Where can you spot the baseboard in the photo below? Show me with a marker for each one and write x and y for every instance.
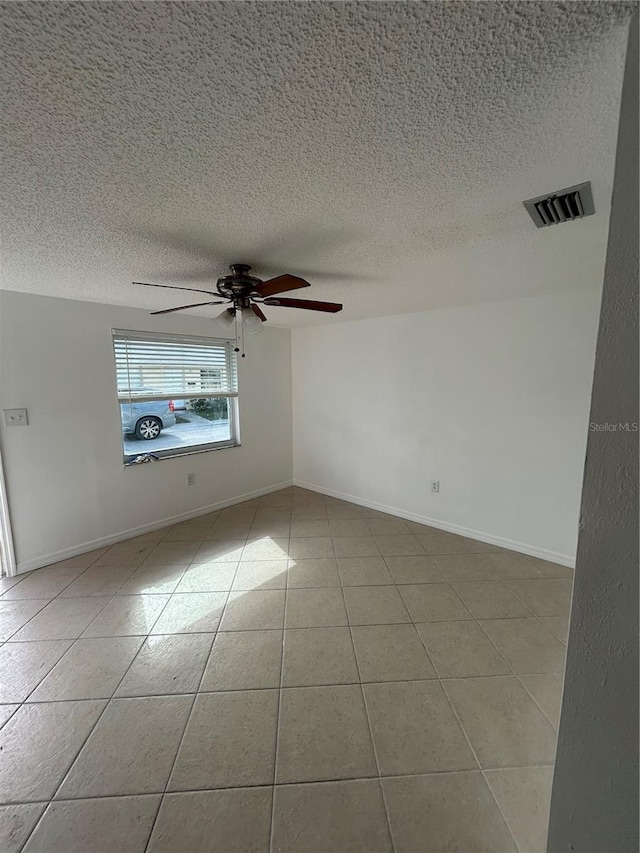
(84, 547)
(512, 545)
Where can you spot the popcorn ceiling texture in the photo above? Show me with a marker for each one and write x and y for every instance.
(382, 149)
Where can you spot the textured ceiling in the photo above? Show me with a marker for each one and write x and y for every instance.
(381, 149)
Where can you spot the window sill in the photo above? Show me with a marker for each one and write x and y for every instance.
(169, 455)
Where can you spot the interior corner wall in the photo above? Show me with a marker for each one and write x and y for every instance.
(68, 490)
(594, 803)
(491, 400)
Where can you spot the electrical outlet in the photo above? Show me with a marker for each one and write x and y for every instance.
(435, 485)
(191, 479)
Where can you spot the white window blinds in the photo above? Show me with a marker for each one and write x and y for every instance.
(163, 367)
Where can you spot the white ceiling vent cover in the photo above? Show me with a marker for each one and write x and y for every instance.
(561, 206)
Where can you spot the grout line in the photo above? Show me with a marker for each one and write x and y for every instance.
(279, 705)
(366, 710)
(189, 715)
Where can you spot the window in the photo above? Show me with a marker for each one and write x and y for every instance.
(176, 394)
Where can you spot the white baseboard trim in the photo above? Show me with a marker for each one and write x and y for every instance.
(103, 541)
(521, 547)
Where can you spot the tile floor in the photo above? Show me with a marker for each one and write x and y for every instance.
(294, 673)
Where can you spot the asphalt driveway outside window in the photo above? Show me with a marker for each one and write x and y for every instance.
(197, 430)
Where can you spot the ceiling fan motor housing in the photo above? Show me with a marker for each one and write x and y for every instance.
(239, 285)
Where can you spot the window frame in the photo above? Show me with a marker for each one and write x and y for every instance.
(232, 397)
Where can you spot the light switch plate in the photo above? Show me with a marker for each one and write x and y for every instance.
(15, 417)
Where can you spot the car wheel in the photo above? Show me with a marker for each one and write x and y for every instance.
(148, 428)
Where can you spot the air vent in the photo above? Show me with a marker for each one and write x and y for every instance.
(561, 206)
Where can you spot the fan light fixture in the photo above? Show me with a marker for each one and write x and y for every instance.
(244, 294)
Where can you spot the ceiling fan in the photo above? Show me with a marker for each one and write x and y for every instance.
(245, 294)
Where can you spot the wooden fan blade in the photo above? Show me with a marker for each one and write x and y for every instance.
(310, 305)
(192, 305)
(259, 312)
(175, 287)
(280, 284)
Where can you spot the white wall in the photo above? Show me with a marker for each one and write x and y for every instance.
(492, 400)
(66, 483)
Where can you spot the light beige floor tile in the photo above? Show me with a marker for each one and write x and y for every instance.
(390, 653)
(127, 615)
(387, 527)
(547, 691)
(244, 660)
(399, 545)
(62, 619)
(314, 656)
(167, 663)
(347, 512)
(433, 602)
(319, 527)
(273, 513)
(173, 552)
(461, 649)
(42, 583)
(508, 565)
(527, 644)
(191, 613)
(229, 530)
(114, 824)
(348, 817)
(313, 512)
(207, 577)
(311, 548)
(364, 571)
(524, 796)
(320, 572)
(374, 605)
(39, 743)
(236, 820)
(7, 583)
(505, 726)
(490, 600)
(6, 712)
(105, 580)
(254, 610)
(125, 557)
(153, 580)
(15, 614)
(414, 728)
(188, 531)
(414, 569)
(92, 669)
(447, 811)
(81, 561)
(16, 823)
(24, 665)
(266, 548)
(270, 529)
(451, 543)
(261, 574)
(220, 551)
(547, 597)
(283, 497)
(315, 608)
(349, 527)
(131, 750)
(323, 734)
(230, 741)
(356, 546)
(552, 570)
(558, 625)
(465, 567)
